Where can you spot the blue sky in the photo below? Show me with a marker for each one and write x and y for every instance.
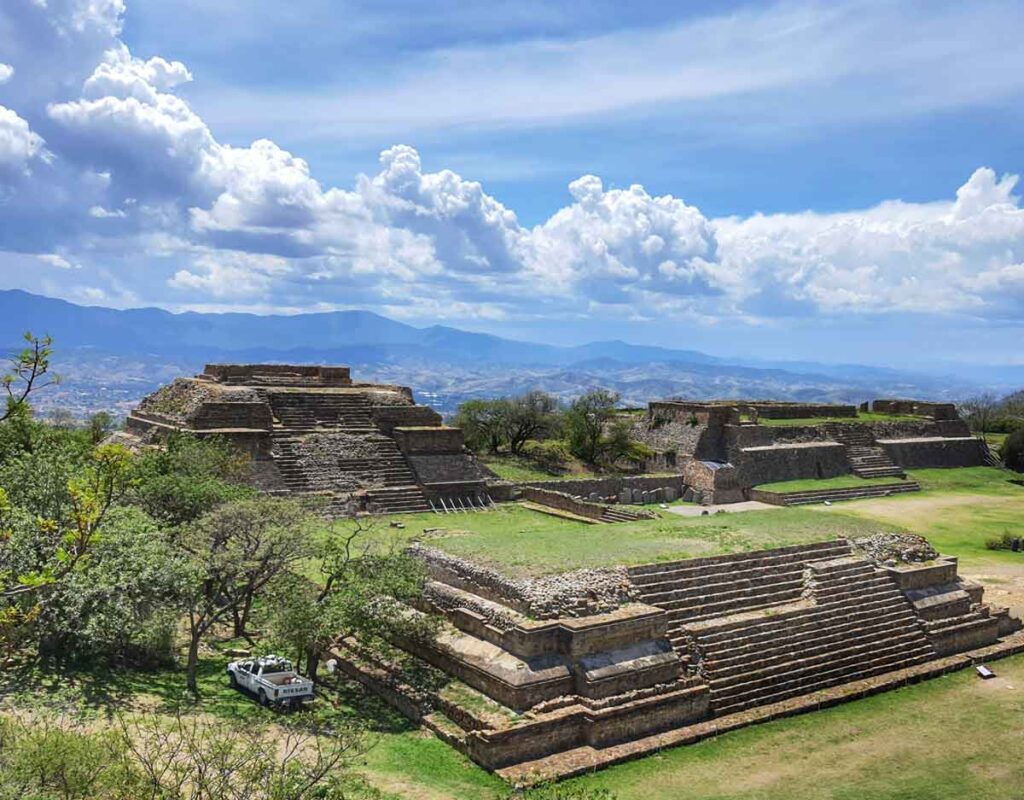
(780, 179)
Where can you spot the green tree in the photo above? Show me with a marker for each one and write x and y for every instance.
(364, 585)
(533, 415)
(618, 445)
(125, 604)
(235, 552)
(29, 372)
(189, 477)
(484, 423)
(585, 423)
(100, 425)
(41, 552)
(1012, 450)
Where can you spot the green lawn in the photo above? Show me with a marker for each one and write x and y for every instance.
(812, 484)
(520, 542)
(995, 440)
(957, 510)
(863, 416)
(517, 470)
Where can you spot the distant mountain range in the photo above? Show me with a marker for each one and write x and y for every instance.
(109, 358)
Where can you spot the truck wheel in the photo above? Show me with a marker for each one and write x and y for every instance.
(264, 701)
(232, 680)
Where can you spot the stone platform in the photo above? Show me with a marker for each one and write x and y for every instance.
(313, 431)
(587, 669)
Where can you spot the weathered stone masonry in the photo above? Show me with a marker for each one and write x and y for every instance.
(664, 646)
(312, 430)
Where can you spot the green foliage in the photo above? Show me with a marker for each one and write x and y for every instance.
(597, 435)
(533, 415)
(29, 372)
(551, 456)
(188, 478)
(585, 423)
(484, 423)
(364, 582)
(100, 425)
(1012, 450)
(491, 425)
(51, 758)
(235, 552)
(126, 606)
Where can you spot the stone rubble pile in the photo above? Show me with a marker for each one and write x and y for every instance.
(895, 548)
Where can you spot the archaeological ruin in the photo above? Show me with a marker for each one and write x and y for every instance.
(312, 430)
(567, 673)
(561, 674)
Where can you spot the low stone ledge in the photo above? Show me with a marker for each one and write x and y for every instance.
(586, 759)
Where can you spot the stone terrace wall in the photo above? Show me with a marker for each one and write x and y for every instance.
(428, 440)
(389, 417)
(923, 453)
(220, 414)
(791, 462)
(272, 374)
(914, 407)
(611, 486)
(770, 410)
(563, 501)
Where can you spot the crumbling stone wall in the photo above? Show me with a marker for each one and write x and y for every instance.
(913, 407)
(612, 486)
(572, 594)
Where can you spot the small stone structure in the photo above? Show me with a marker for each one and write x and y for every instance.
(721, 449)
(575, 670)
(312, 430)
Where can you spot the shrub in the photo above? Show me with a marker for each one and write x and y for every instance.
(551, 456)
(1012, 450)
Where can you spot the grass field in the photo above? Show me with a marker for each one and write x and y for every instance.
(812, 484)
(520, 542)
(863, 416)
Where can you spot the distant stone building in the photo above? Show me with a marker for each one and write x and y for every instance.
(724, 449)
(312, 430)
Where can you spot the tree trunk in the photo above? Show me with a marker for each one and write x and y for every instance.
(312, 662)
(193, 660)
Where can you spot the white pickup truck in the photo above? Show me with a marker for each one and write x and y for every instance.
(272, 679)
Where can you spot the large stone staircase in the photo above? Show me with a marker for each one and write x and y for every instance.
(867, 459)
(390, 483)
(305, 412)
(777, 624)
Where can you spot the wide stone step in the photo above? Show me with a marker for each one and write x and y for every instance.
(797, 674)
(741, 647)
(695, 594)
(845, 675)
(810, 643)
(768, 625)
(695, 613)
(700, 568)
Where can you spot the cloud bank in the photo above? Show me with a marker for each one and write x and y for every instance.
(105, 166)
